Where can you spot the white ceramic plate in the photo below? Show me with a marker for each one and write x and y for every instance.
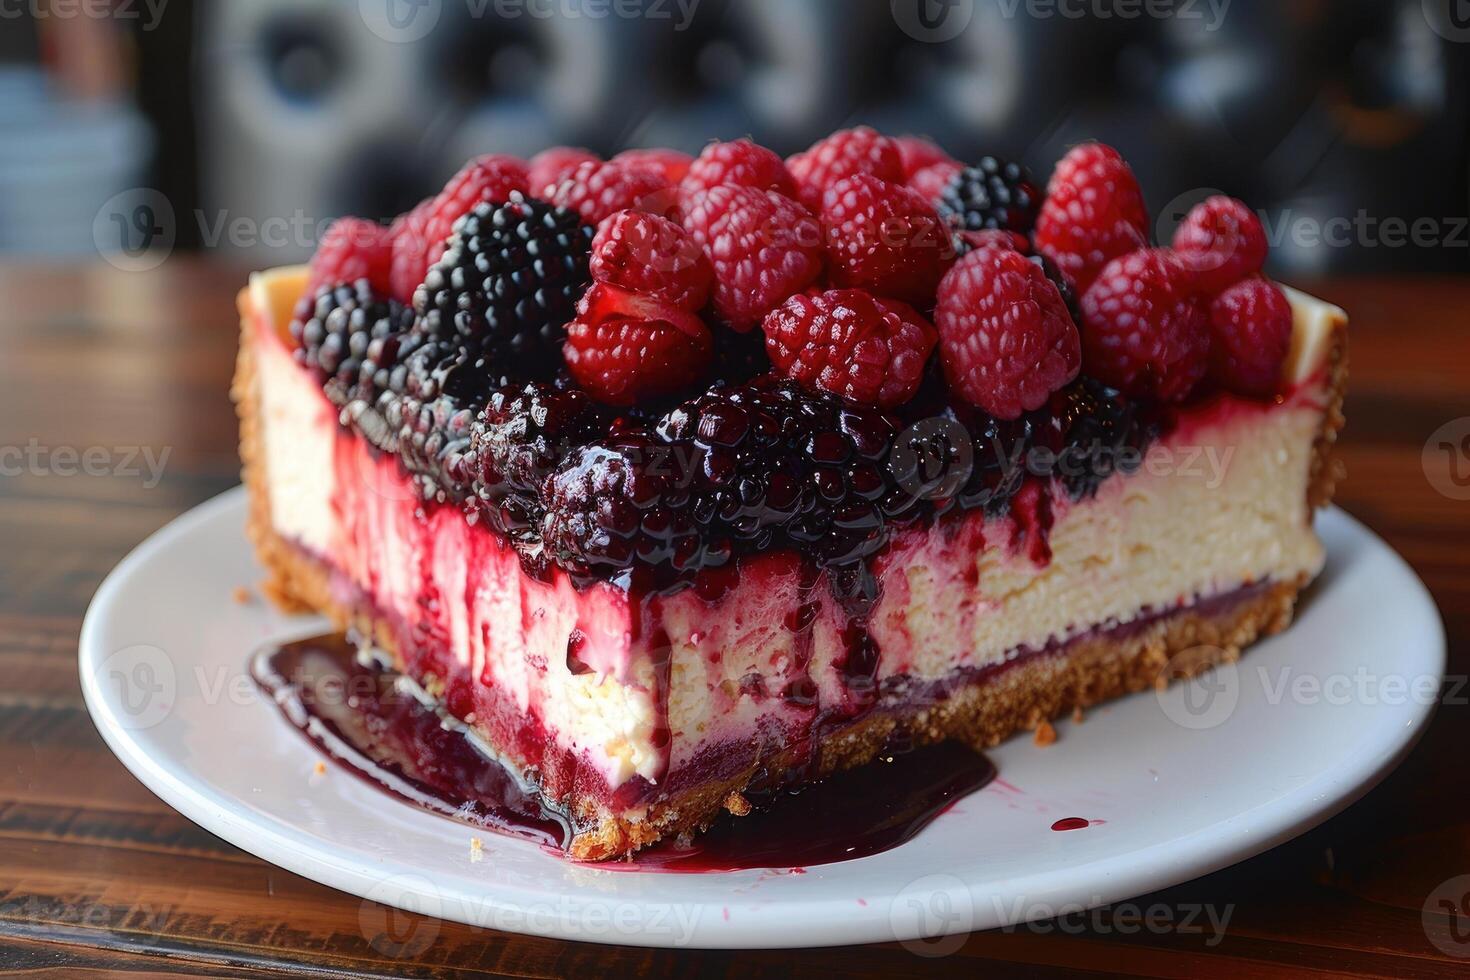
(1178, 784)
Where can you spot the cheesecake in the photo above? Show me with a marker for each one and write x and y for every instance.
(672, 479)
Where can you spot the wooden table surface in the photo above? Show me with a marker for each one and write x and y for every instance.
(97, 874)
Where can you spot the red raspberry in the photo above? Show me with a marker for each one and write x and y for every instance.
(648, 254)
(1142, 329)
(1005, 338)
(886, 239)
(764, 248)
(740, 162)
(848, 342)
(671, 165)
(353, 249)
(844, 153)
(549, 167)
(1093, 212)
(1250, 334)
(623, 348)
(597, 190)
(968, 241)
(931, 181)
(916, 152)
(410, 252)
(1220, 242)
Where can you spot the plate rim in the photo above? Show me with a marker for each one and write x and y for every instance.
(1127, 874)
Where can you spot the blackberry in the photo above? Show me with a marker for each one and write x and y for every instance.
(337, 328)
(509, 282)
(739, 469)
(432, 441)
(1092, 431)
(994, 193)
(521, 436)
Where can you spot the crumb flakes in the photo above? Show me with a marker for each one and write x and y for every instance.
(737, 804)
(477, 850)
(1045, 733)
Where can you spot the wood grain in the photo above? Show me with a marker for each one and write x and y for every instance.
(98, 876)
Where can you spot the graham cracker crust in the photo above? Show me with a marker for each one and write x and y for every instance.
(1023, 697)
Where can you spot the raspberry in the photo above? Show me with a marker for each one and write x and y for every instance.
(352, 249)
(884, 238)
(1094, 212)
(1005, 337)
(596, 190)
(1142, 330)
(916, 153)
(967, 241)
(844, 153)
(994, 193)
(644, 253)
(509, 281)
(1250, 334)
(550, 165)
(931, 181)
(764, 248)
(850, 343)
(740, 162)
(1221, 241)
(410, 252)
(671, 165)
(624, 348)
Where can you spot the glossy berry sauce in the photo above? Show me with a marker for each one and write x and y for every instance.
(378, 727)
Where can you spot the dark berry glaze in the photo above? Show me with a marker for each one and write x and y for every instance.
(358, 712)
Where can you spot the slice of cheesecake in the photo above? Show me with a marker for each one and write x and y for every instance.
(639, 705)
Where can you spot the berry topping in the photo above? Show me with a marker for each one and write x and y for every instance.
(764, 248)
(510, 280)
(334, 329)
(549, 166)
(596, 190)
(844, 153)
(1005, 337)
(490, 179)
(1142, 330)
(1094, 212)
(930, 182)
(624, 348)
(352, 249)
(994, 193)
(644, 253)
(671, 165)
(916, 153)
(850, 343)
(884, 238)
(1221, 241)
(740, 162)
(1250, 334)
(967, 241)
(410, 252)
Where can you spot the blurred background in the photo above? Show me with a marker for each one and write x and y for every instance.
(243, 126)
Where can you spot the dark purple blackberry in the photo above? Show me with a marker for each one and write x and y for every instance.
(1091, 432)
(739, 469)
(336, 330)
(994, 193)
(432, 441)
(509, 281)
(521, 436)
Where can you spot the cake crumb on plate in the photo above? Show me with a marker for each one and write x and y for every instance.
(1045, 733)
